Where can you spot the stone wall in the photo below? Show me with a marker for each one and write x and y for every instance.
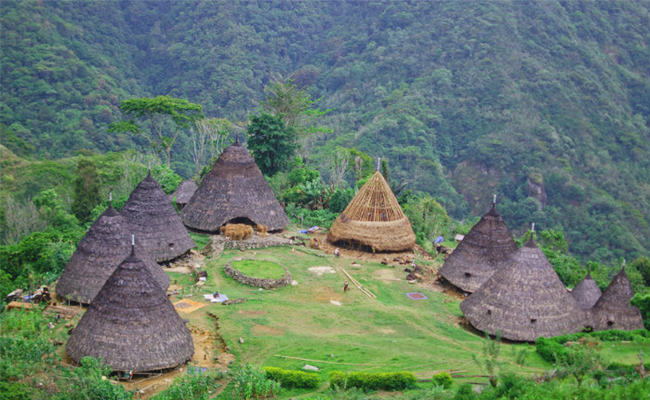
(257, 282)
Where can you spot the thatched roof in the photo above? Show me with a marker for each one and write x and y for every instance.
(524, 300)
(375, 219)
(131, 324)
(183, 192)
(586, 292)
(613, 309)
(234, 189)
(155, 222)
(106, 244)
(483, 250)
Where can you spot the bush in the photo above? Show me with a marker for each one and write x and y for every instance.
(292, 379)
(374, 381)
(443, 379)
(550, 349)
(251, 383)
(191, 386)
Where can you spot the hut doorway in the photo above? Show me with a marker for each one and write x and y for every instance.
(241, 220)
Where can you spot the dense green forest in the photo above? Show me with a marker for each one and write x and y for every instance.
(546, 104)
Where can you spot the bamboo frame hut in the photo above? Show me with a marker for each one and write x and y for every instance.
(131, 324)
(234, 191)
(155, 222)
(586, 292)
(106, 244)
(375, 219)
(524, 300)
(613, 309)
(481, 252)
(183, 193)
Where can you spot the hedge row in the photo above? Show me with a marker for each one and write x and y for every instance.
(550, 348)
(373, 381)
(293, 379)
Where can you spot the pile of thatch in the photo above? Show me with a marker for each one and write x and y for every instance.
(155, 222)
(106, 244)
(183, 193)
(586, 292)
(613, 309)
(374, 219)
(131, 324)
(483, 251)
(524, 300)
(233, 191)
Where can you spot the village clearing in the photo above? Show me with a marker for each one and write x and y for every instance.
(313, 322)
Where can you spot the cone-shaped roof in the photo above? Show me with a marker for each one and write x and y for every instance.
(155, 222)
(374, 218)
(131, 324)
(106, 244)
(483, 250)
(586, 292)
(613, 309)
(233, 189)
(524, 300)
(183, 192)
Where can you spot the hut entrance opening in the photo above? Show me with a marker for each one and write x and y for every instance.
(357, 246)
(241, 220)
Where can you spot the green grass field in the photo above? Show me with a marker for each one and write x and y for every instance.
(298, 324)
(259, 269)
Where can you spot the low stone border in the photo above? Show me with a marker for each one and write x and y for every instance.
(257, 282)
(219, 242)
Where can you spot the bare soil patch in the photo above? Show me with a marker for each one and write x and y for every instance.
(263, 330)
(251, 312)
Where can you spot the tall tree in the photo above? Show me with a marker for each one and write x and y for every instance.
(87, 189)
(271, 142)
(294, 106)
(159, 112)
(209, 137)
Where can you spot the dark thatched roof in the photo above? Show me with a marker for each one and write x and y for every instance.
(234, 189)
(524, 300)
(131, 324)
(375, 219)
(586, 292)
(483, 250)
(613, 309)
(106, 244)
(155, 222)
(183, 192)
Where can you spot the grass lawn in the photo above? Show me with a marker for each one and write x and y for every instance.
(259, 269)
(299, 324)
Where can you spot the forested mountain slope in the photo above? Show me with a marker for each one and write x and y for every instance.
(545, 103)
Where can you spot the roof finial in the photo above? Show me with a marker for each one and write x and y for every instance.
(532, 230)
(132, 243)
(110, 199)
(237, 138)
(494, 201)
(378, 163)
(623, 266)
(149, 171)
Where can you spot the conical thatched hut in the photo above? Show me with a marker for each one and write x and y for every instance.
(106, 244)
(375, 219)
(613, 309)
(586, 292)
(183, 193)
(483, 250)
(234, 191)
(155, 222)
(524, 300)
(131, 324)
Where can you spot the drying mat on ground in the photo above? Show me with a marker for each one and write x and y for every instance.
(188, 306)
(222, 297)
(416, 296)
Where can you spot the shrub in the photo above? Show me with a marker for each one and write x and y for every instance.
(443, 379)
(251, 383)
(191, 386)
(374, 381)
(292, 379)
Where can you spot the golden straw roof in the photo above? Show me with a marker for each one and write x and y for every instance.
(375, 219)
